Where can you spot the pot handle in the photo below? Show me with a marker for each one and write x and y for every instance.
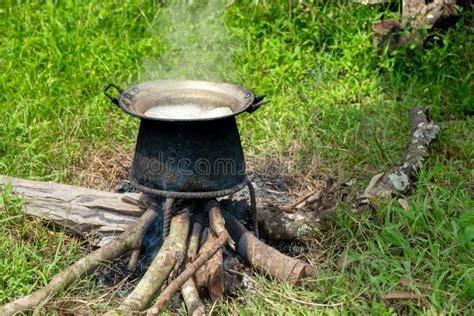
(257, 102)
(113, 99)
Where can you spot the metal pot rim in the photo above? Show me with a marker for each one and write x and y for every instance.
(240, 99)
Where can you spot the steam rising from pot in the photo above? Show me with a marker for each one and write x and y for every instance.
(197, 42)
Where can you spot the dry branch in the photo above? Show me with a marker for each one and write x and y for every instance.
(201, 276)
(401, 179)
(189, 291)
(265, 258)
(216, 220)
(173, 247)
(206, 252)
(130, 239)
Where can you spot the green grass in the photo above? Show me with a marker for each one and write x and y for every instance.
(334, 104)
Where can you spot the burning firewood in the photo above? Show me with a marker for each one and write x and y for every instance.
(174, 247)
(265, 258)
(189, 291)
(207, 252)
(161, 266)
(211, 275)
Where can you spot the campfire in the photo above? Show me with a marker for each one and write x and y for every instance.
(188, 155)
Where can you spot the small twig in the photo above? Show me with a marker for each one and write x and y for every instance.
(312, 198)
(403, 295)
(215, 266)
(309, 198)
(290, 208)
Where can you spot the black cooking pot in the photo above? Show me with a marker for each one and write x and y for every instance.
(188, 140)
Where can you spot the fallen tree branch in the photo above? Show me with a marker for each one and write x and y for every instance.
(173, 247)
(401, 179)
(129, 240)
(206, 252)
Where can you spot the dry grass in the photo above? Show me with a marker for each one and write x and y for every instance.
(104, 168)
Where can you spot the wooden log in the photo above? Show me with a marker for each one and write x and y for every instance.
(211, 275)
(189, 291)
(86, 212)
(265, 258)
(201, 277)
(214, 271)
(172, 249)
(99, 216)
(215, 265)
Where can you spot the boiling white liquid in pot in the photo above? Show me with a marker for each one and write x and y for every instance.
(187, 111)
